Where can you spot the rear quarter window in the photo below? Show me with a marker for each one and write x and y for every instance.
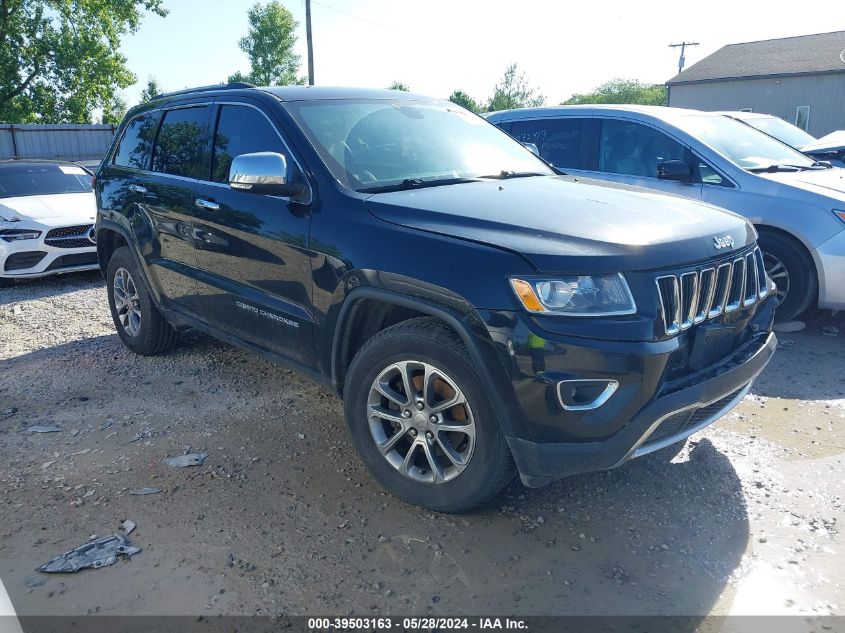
(136, 144)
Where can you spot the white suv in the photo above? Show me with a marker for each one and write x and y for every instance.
(47, 213)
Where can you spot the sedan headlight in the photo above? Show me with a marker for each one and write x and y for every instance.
(12, 235)
(576, 295)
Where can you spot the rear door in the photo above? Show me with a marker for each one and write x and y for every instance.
(252, 249)
(180, 156)
(569, 143)
(147, 183)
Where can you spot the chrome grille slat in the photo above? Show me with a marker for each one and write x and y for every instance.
(762, 279)
(706, 291)
(750, 294)
(689, 298)
(692, 297)
(737, 285)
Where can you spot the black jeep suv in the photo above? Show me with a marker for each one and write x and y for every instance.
(478, 314)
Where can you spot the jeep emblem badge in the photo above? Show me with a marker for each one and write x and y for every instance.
(726, 241)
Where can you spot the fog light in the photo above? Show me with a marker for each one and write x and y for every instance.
(585, 395)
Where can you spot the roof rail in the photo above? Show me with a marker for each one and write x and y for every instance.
(235, 85)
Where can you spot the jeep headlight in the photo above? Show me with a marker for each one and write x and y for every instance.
(576, 295)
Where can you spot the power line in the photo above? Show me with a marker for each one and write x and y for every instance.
(349, 15)
(682, 59)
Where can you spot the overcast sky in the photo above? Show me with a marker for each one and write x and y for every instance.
(437, 46)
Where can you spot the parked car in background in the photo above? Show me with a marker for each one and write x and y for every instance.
(47, 213)
(830, 148)
(478, 314)
(796, 204)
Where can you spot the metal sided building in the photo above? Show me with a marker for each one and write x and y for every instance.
(800, 79)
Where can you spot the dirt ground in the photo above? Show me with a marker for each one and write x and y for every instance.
(282, 518)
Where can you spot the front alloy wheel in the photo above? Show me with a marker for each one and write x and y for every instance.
(421, 422)
(777, 273)
(422, 419)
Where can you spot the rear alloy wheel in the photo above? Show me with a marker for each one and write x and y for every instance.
(126, 303)
(139, 324)
(421, 420)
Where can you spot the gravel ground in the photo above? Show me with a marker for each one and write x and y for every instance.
(283, 519)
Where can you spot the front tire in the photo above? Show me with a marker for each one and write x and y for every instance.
(139, 324)
(421, 421)
(790, 267)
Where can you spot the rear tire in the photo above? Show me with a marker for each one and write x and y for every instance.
(6, 283)
(791, 268)
(420, 460)
(139, 324)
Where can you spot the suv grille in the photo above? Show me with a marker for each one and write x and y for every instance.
(69, 237)
(692, 297)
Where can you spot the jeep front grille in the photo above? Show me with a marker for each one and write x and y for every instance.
(692, 297)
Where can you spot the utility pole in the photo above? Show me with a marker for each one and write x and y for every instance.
(310, 45)
(683, 46)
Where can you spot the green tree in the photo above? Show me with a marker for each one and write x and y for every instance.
(622, 91)
(151, 90)
(60, 59)
(399, 85)
(114, 111)
(465, 101)
(514, 91)
(269, 44)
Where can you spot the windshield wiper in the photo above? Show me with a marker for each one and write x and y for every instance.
(507, 173)
(416, 183)
(786, 167)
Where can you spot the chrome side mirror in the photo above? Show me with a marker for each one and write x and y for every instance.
(262, 172)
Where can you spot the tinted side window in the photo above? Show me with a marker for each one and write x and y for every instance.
(137, 141)
(634, 149)
(241, 130)
(562, 142)
(181, 143)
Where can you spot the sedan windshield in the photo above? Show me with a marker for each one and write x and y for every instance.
(378, 145)
(33, 179)
(783, 131)
(745, 146)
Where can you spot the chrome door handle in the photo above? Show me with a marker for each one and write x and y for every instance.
(206, 204)
(137, 189)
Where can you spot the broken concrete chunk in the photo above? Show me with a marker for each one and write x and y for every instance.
(146, 491)
(99, 553)
(183, 461)
(127, 526)
(43, 428)
(788, 327)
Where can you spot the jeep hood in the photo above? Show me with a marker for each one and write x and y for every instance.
(563, 223)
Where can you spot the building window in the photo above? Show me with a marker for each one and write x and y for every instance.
(802, 117)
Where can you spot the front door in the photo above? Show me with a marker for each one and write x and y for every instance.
(629, 152)
(252, 249)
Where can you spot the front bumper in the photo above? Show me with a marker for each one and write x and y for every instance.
(830, 259)
(26, 259)
(704, 398)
